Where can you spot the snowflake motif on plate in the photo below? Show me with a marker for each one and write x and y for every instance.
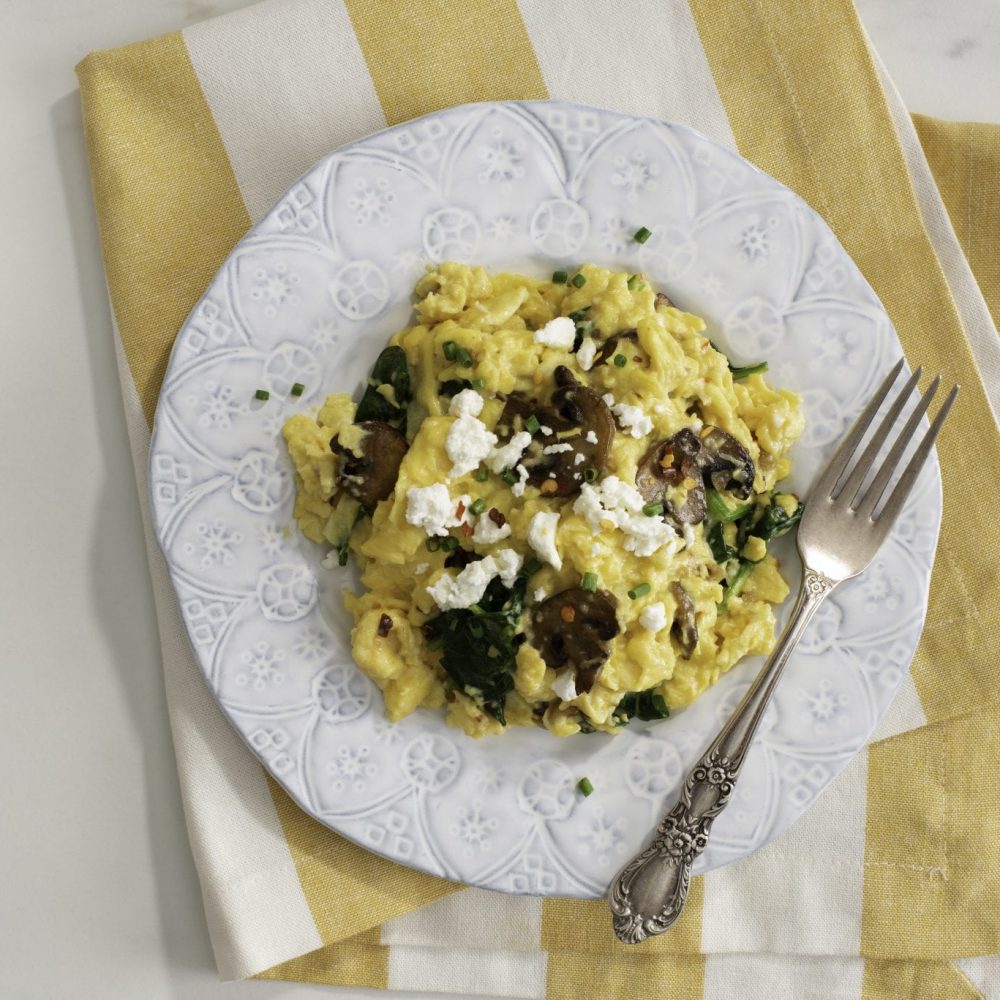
(473, 827)
(371, 201)
(216, 543)
(263, 666)
(501, 159)
(323, 334)
(502, 228)
(270, 538)
(604, 836)
(635, 173)
(755, 239)
(352, 768)
(823, 706)
(616, 234)
(275, 288)
(219, 406)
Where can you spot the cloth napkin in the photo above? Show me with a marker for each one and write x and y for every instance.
(890, 884)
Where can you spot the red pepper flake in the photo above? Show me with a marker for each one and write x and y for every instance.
(568, 613)
(496, 517)
(384, 625)
(466, 529)
(461, 509)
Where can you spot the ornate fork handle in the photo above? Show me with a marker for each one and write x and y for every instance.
(648, 894)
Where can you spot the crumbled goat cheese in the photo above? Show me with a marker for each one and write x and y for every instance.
(591, 437)
(586, 354)
(518, 488)
(467, 403)
(539, 595)
(564, 685)
(579, 460)
(632, 419)
(487, 533)
(559, 332)
(654, 617)
(545, 429)
(542, 537)
(469, 441)
(507, 456)
(421, 568)
(616, 503)
(433, 509)
(468, 587)
(554, 449)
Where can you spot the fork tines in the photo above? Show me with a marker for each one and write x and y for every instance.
(851, 491)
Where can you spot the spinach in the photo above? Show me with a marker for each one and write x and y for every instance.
(584, 326)
(738, 582)
(775, 522)
(738, 371)
(453, 386)
(390, 369)
(721, 511)
(720, 549)
(479, 644)
(645, 705)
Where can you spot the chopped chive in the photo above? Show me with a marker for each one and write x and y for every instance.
(589, 581)
(433, 544)
(262, 394)
(477, 507)
(435, 644)
(590, 474)
(509, 476)
(449, 544)
(578, 280)
(585, 787)
(579, 315)
(632, 279)
(463, 357)
(450, 349)
(531, 567)
(531, 425)
(652, 509)
(642, 234)
(479, 384)
(559, 277)
(641, 591)
(298, 388)
(757, 369)
(342, 557)
(620, 361)
(482, 475)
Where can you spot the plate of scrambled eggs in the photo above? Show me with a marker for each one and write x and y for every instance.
(476, 470)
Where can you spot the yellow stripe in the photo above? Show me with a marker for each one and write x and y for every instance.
(572, 928)
(965, 160)
(355, 962)
(167, 203)
(349, 889)
(816, 119)
(898, 980)
(424, 55)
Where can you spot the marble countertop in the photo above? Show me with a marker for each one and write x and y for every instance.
(98, 895)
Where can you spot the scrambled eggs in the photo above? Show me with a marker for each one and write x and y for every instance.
(560, 496)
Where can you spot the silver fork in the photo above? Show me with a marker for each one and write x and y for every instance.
(838, 537)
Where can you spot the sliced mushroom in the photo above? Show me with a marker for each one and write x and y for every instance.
(660, 299)
(579, 418)
(685, 626)
(668, 465)
(610, 347)
(573, 629)
(726, 463)
(371, 477)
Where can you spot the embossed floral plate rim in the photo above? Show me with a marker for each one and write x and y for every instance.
(503, 814)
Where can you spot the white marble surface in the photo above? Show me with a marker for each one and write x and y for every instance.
(98, 895)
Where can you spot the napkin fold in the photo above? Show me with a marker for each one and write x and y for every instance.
(888, 886)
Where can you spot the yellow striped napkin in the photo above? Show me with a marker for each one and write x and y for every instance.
(890, 885)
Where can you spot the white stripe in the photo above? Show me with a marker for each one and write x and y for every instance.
(972, 309)
(471, 916)
(774, 977)
(286, 83)
(628, 55)
(905, 713)
(983, 972)
(256, 911)
(468, 973)
(802, 893)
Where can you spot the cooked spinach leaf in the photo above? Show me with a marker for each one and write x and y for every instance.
(720, 549)
(479, 644)
(775, 521)
(645, 705)
(453, 386)
(737, 583)
(390, 369)
(757, 369)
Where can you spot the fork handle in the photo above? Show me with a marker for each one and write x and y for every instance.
(648, 894)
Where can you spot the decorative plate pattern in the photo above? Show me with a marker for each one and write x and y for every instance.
(311, 294)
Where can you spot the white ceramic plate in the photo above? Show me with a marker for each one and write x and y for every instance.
(312, 293)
